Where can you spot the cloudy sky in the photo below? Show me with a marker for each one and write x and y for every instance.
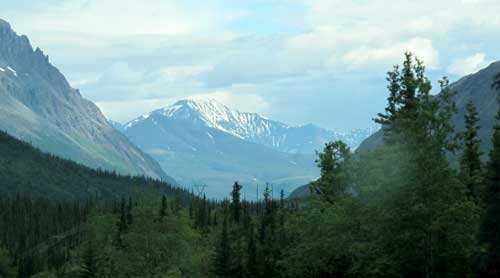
(298, 61)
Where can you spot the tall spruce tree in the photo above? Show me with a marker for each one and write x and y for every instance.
(268, 248)
(89, 262)
(222, 259)
(129, 211)
(164, 206)
(202, 213)
(236, 202)
(425, 195)
(405, 87)
(490, 229)
(333, 163)
(251, 264)
(121, 224)
(470, 162)
(6, 269)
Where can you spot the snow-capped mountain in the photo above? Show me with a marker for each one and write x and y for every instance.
(205, 142)
(255, 128)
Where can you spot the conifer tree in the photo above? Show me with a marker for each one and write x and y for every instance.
(251, 264)
(490, 229)
(247, 217)
(470, 162)
(6, 269)
(236, 202)
(426, 196)
(222, 260)
(406, 86)
(393, 102)
(122, 224)
(25, 267)
(202, 214)
(191, 210)
(333, 163)
(164, 207)
(89, 262)
(267, 247)
(129, 212)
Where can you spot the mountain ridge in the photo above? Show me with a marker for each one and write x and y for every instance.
(255, 128)
(199, 153)
(40, 106)
(205, 142)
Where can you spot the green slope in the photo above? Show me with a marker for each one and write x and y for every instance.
(25, 169)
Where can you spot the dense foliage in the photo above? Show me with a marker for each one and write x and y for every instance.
(401, 210)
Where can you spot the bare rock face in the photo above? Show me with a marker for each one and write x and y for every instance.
(38, 105)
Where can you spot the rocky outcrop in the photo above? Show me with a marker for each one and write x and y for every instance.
(39, 105)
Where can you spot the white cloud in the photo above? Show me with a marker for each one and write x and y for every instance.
(125, 17)
(179, 73)
(468, 64)
(392, 53)
(423, 24)
(121, 73)
(471, 1)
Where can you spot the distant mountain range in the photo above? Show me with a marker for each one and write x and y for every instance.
(205, 142)
(252, 127)
(39, 106)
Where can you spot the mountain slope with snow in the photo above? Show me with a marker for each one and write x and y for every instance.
(205, 142)
(194, 153)
(254, 128)
(39, 106)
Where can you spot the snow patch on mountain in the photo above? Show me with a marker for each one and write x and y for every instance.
(12, 70)
(254, 128)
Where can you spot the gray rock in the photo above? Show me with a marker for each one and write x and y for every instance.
(39, 106)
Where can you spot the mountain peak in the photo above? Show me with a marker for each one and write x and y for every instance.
(209, 109)
(208, 112)
(198, 101)
(4, 24)
(202, 105)
(211, 113)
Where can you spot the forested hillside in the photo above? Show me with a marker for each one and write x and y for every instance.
(25, 169)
